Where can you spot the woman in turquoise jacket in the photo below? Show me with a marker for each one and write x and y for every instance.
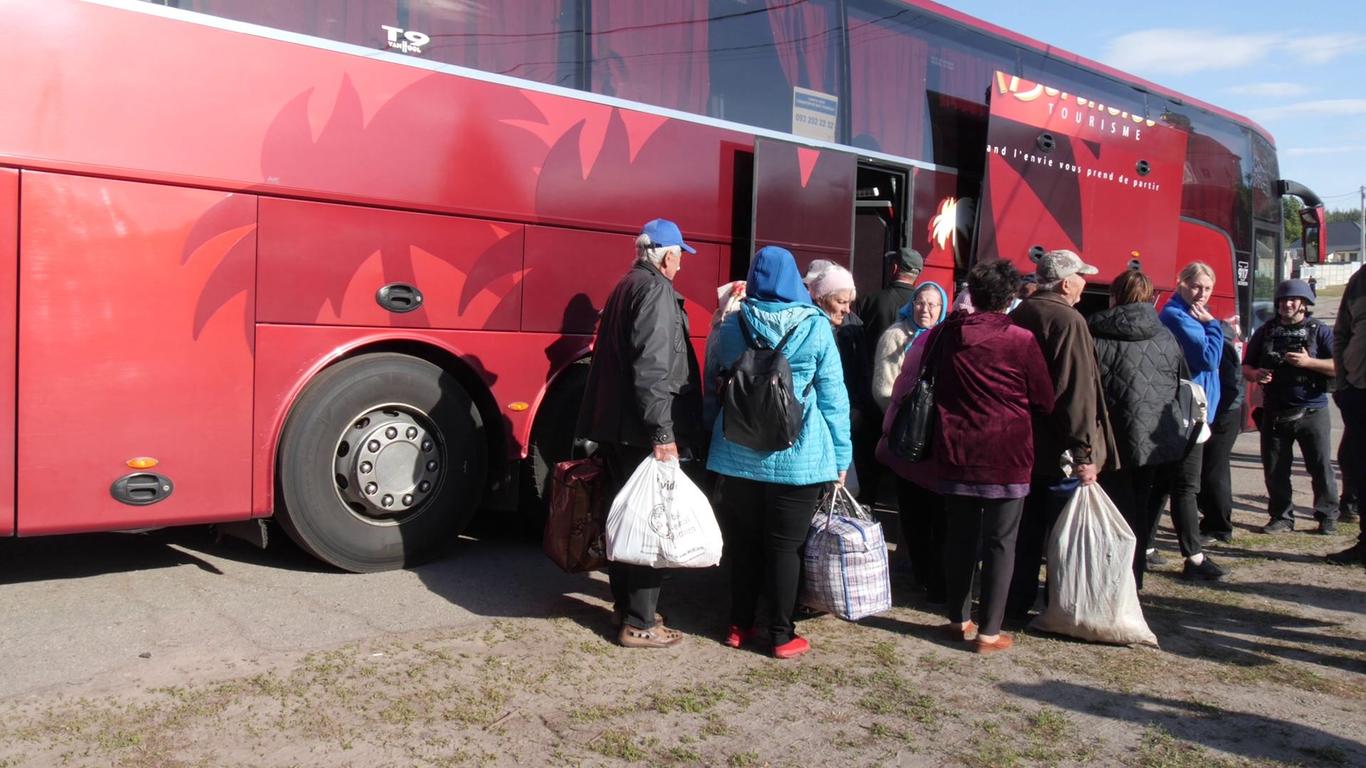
(768, 497)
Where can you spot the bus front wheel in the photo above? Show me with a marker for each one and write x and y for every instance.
(381, 464)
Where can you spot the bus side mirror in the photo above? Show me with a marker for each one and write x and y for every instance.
(1309, 243)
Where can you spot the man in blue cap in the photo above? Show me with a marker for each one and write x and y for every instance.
(1291, 356)
(643, 399)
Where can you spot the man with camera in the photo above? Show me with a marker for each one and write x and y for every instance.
(1291, 356)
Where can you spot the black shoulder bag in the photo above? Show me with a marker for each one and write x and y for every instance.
(914, 426)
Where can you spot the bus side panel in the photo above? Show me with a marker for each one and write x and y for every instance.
(322, 263)
(941, 225)
(1197, 241)
(515, 367)
(135, 336)
(571, 274)
(9, 254)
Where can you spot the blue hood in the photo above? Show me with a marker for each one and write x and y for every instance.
(905, 312)
(773, 276)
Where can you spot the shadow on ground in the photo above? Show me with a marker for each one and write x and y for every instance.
(1241, 733)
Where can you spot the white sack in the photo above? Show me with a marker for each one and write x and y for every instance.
(1091, 590)
(663, 520)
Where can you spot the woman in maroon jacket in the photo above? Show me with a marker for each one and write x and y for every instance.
(990, 375)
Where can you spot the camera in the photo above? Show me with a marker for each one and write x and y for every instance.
(1275, 356)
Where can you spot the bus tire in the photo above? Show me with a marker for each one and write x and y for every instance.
(381, 464)
(552, 441)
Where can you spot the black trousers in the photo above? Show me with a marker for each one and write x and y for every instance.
(1313, 434)
(1131, 489)
(767, 524)
(1347, 498)
(1352, 402)
(921, 513)
(1180, 481)
(1045, 502)
(635, 588)
(1215, 498)
(991, 525)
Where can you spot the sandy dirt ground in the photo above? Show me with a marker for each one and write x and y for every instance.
(1266, 668)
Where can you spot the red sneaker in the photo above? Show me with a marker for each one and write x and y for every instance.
(792, 648)
(737, 637)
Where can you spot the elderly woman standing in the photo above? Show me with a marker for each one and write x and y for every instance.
(767, 497)
(919, 509)
(990, 375)
(832, 289)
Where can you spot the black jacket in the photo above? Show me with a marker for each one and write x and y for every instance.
(1140, 370)
(878, 310)
(856, 358)
(643, 386)
(1231, 384)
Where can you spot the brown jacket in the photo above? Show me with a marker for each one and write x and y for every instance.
(1349, 334)
(1079, 421)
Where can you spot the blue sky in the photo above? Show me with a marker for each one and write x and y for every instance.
(1300, 75)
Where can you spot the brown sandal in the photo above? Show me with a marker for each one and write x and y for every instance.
(658, 636)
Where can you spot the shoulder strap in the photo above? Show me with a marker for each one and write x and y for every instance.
(929, 364)
(750, 340)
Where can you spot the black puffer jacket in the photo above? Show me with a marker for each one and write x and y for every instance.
(1140, 369)
(643, 387)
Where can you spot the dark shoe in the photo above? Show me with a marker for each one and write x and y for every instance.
(658, 636)
(1278, 526)
(1327, 527)
(737, 637)
(792, 648)
(961, 634)
(1221, 537)
(1353, 555)
(1002, 642)
(1205, 571)
(1348, 516)
(1156, 559)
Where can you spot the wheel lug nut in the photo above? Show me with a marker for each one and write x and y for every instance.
(391, 433)
(372, 446)
(408, 500)
(371, 489)
(387, 501)
(412, 432)
(424, 486)
(431, 466)
(426, 445)
(365, 467)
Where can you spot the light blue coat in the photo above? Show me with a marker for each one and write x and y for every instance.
(823, 449)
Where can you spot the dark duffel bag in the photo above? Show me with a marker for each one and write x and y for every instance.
(576, 527)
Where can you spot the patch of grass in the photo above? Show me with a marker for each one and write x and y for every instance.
(693, 699)
(884, 652)
(596, 712)
(742, 759)
(1158, 748)
(887, 693)
(1330, 755)
(680, 753)
(716, 726)
(1050, 724)
(619, 744)
(992, 748)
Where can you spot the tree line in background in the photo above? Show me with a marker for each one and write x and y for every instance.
(1291, 219)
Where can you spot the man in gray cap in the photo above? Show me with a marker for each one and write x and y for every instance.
(878, 310)
(1291, 356)
(1077, 434)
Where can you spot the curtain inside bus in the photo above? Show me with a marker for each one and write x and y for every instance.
(887, 66)
(651, 52)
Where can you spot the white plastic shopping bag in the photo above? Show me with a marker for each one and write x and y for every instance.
(845, 562)
(1091, 589)
(663, 520)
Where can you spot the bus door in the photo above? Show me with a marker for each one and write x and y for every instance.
(804, 202)
(880, 222)
(9, 276)
(1063, 171)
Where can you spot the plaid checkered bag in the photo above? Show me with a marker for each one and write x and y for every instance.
(846, 560)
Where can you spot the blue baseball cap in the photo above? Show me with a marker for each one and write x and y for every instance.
(664, 233)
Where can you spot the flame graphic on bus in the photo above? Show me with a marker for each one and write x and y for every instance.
(951, 227)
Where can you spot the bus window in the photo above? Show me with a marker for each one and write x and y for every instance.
(758, 56)
(651, 52)
(1265, 276)
(531, 39)
(887, 67)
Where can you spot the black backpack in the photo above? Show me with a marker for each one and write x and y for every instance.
(759, 409)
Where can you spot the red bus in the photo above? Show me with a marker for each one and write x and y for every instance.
(339, 262)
